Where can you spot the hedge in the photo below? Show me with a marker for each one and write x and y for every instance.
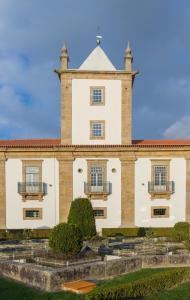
(66, 239)
(21, 234)
(142, 287)
(134, 232)
(181, 231)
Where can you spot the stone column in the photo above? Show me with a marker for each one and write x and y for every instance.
(65, 187)
(2, 194)
(66, 110)
(128, 191)
(126, 117)
(188, 189)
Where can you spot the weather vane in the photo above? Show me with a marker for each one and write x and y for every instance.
(98, 36)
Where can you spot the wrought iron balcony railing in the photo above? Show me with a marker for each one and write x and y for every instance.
(167, 187)
(104, 188)
(32, 188)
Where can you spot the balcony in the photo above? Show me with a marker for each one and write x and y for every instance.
(32, 190)
(161, 190)
(97, 191)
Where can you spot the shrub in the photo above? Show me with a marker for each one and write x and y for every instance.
(14, 234)
(65, 239)
(20, 234)
(187, 244)
(130, 232)
(181, 231)
(141, 287)
(149, 233)
(81, 214)
(41, 233)
(134, 232)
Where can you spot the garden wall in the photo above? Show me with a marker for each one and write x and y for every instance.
(50, 279)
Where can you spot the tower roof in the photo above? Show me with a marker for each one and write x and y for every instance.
(97, 61)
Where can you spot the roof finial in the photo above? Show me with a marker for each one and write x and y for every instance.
(64, 56)
(98, 36)
(64, 48)
(128, 50)
(128, 58)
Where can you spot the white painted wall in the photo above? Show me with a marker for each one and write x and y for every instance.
(143, 202)
(15, 204)
(113, 203)
(83, 112)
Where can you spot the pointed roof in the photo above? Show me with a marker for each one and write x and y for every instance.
(97, 61)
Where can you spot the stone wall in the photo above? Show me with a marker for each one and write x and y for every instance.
(50, 279)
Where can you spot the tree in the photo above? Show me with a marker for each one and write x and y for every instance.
(81, 214)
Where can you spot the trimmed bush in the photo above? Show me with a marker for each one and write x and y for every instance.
(141, 287)
(134, 232)
(66, 239)
(41, 233)
(22, 234)
(81, 214)
(181, 231)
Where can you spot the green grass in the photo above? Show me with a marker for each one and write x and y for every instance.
(182, 292)
(132, 276)
(12, 290)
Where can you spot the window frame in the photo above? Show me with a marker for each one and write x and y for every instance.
(97, 163)
(32, 209)
(102, 122)
(166, 215)
(160, 194)
(32, 163)
(92, 88)
(104, 209)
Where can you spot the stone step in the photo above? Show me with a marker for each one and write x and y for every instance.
(79, 286)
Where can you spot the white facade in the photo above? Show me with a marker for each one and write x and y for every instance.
(83, 112)
(113, 203)
(143, 201)
(15, 204)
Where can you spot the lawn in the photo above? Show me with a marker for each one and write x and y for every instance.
(182, 292)
(11, 290)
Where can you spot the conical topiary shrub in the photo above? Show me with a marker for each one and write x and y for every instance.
(81, 214)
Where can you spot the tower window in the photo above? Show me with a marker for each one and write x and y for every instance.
(97, 95)
(97, 129)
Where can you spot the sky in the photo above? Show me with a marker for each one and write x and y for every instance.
(32, 33)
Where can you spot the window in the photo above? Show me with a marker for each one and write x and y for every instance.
(160, 212)
(97, 95)
(32, 213)
(160, 175)
(100, 212)
(96, 186)
(32, 179)
(31, 186)
(96, 174)
(97, 129)
(160, 185)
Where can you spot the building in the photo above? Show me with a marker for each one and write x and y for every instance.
(144, 183)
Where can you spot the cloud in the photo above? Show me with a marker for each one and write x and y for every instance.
(179, 129)
(32, 33)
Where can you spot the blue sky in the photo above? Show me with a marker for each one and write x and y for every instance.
(32, 33)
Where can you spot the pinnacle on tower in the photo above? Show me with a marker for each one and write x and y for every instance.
(64, 57)
(128, 58)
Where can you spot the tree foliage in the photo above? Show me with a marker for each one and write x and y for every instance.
(81, 214)
(66, 239)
